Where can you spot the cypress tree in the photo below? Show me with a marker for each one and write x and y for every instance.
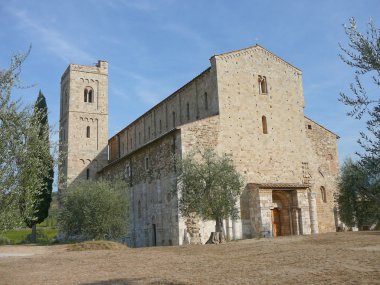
(38, 171)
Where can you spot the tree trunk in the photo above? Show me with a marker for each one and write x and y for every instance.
(217, 236)
(33, 238)
(214, 238)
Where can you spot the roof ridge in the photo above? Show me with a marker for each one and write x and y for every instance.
(256, 46)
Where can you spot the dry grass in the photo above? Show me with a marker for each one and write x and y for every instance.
(95, 245)
(335, 258)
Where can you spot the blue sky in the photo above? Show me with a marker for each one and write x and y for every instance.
(154, 47)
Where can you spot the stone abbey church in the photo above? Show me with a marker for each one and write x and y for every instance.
(248, 104)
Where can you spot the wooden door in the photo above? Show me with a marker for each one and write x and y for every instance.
(276, 224)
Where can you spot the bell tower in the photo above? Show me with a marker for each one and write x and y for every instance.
(83, 123)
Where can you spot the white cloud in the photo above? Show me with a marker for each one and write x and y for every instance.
(53, 40)
(141, 5)
(187, 33)
(149, 91)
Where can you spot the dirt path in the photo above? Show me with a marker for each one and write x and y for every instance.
(335, 258)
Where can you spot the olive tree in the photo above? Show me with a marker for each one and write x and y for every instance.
(363, 55)
(356, 208)
(210, 186)
(94, 210)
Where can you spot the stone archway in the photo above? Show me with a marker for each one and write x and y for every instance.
(283, 207)
(281, 216)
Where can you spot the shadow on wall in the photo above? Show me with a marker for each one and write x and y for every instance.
(90, 167)
(133, 281)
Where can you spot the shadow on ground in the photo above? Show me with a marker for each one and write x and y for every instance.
(133, 281)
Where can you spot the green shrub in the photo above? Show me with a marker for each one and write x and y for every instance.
(94, 210)
(4, 240)
(44, 235)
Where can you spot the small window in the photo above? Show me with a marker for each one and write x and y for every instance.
(263, 85)
(146, 163)
(88, 131)
(264, 123)
(85, 95)
(206, 101)
(128, 171)
(323, 194)
(173, 119)
(309, 127)
(88, 173)
(160, 126)
(90, 96)
(188, 111)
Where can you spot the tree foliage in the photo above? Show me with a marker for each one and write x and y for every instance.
(356, 208)
(12, 138)
(37, 172)
(19, 135)
(210, 186)
(363, 54)
(94, 210)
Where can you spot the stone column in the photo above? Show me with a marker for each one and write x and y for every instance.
(236, 225)
(304, 215)
(265, 197)
(236, 229)
(295, 216)
(313, 212)
(229, 233)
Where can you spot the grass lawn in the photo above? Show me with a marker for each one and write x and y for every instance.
(44, 235)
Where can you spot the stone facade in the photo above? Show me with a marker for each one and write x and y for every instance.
(83, 122)
(249, 105)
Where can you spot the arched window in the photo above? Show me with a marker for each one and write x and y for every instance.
(323, 194)
(90, 95)
(88, 173)
(263, 85)
(139, 209)
(264, 123)
(206, 101)
(88, 131)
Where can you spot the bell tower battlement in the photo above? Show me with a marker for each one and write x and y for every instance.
(83, 122)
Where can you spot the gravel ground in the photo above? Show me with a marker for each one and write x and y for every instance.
(334, 258)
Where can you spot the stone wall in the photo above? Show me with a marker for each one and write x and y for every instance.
(150, 175)
(194, 101)
(275, 156)
(324, 166)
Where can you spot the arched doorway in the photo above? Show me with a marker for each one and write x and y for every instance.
(280, 214)
(276, 222)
